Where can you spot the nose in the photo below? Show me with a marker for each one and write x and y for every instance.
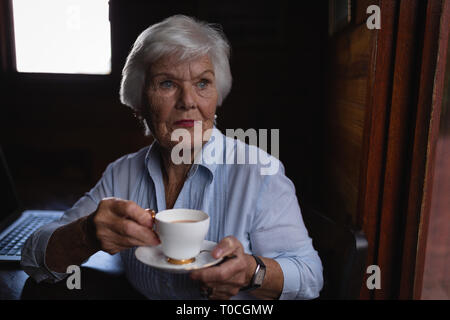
(187, 98)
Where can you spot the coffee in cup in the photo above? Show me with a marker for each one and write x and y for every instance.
(182, 232)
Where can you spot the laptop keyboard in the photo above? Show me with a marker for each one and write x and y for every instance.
(12, 243)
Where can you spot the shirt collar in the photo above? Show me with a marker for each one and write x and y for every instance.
(212, 152)
(208, 158)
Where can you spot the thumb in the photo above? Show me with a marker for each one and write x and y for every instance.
(226, 247)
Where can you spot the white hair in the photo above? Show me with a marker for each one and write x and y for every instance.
(178, 36)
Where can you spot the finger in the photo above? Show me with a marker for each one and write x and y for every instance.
(219, 274)
(116, 243)
(131, 210)
(226, 247)
(124, 242)
(143, 235)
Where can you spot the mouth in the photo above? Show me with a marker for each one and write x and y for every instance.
(185, 123)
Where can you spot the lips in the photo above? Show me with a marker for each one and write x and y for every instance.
(187, 123)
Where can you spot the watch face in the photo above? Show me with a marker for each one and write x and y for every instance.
(259, 277)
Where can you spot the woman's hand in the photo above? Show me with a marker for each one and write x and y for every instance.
(225, 280)
(115, 225)
(121, 224)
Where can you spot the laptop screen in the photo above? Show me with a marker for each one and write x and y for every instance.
(8, 197)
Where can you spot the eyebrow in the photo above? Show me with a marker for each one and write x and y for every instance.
(170, 75)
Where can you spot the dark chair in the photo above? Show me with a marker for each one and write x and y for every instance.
(343, 252)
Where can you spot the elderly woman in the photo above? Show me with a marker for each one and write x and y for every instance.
(175, 77)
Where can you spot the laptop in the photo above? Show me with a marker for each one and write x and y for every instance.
(17, 224)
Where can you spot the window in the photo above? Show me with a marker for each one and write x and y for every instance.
(62, 36)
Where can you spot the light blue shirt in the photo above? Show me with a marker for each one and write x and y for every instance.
(261, 211)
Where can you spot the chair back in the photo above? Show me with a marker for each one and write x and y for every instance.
(343, 251)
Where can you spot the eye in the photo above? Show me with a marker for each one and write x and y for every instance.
(166, 84)
(202, 84)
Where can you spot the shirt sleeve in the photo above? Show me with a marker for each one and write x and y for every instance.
(279, 233)
(33, 251)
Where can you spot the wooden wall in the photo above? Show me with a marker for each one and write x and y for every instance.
(349, 66)
(381, 133)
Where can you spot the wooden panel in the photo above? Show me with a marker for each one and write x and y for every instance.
(397, 138)
(390, 212)
(374, 137)
(435, 238)
(350, 53)
(425, 138)
(345, 198)
(349, 71)
(398, 150)
(360, 81)
(348, 119)
(353, 89)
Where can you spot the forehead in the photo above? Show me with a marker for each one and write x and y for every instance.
(172, 65)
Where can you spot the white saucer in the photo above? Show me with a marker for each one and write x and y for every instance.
(154, 257)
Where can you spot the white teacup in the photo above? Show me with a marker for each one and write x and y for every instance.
(182, 232)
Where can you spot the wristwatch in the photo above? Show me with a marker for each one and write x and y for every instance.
(258, 276)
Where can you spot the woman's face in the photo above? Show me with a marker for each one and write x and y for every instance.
(179, 95)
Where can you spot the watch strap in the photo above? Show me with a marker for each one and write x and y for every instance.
(260, 267)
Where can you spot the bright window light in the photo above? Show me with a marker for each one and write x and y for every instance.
(62, 36)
